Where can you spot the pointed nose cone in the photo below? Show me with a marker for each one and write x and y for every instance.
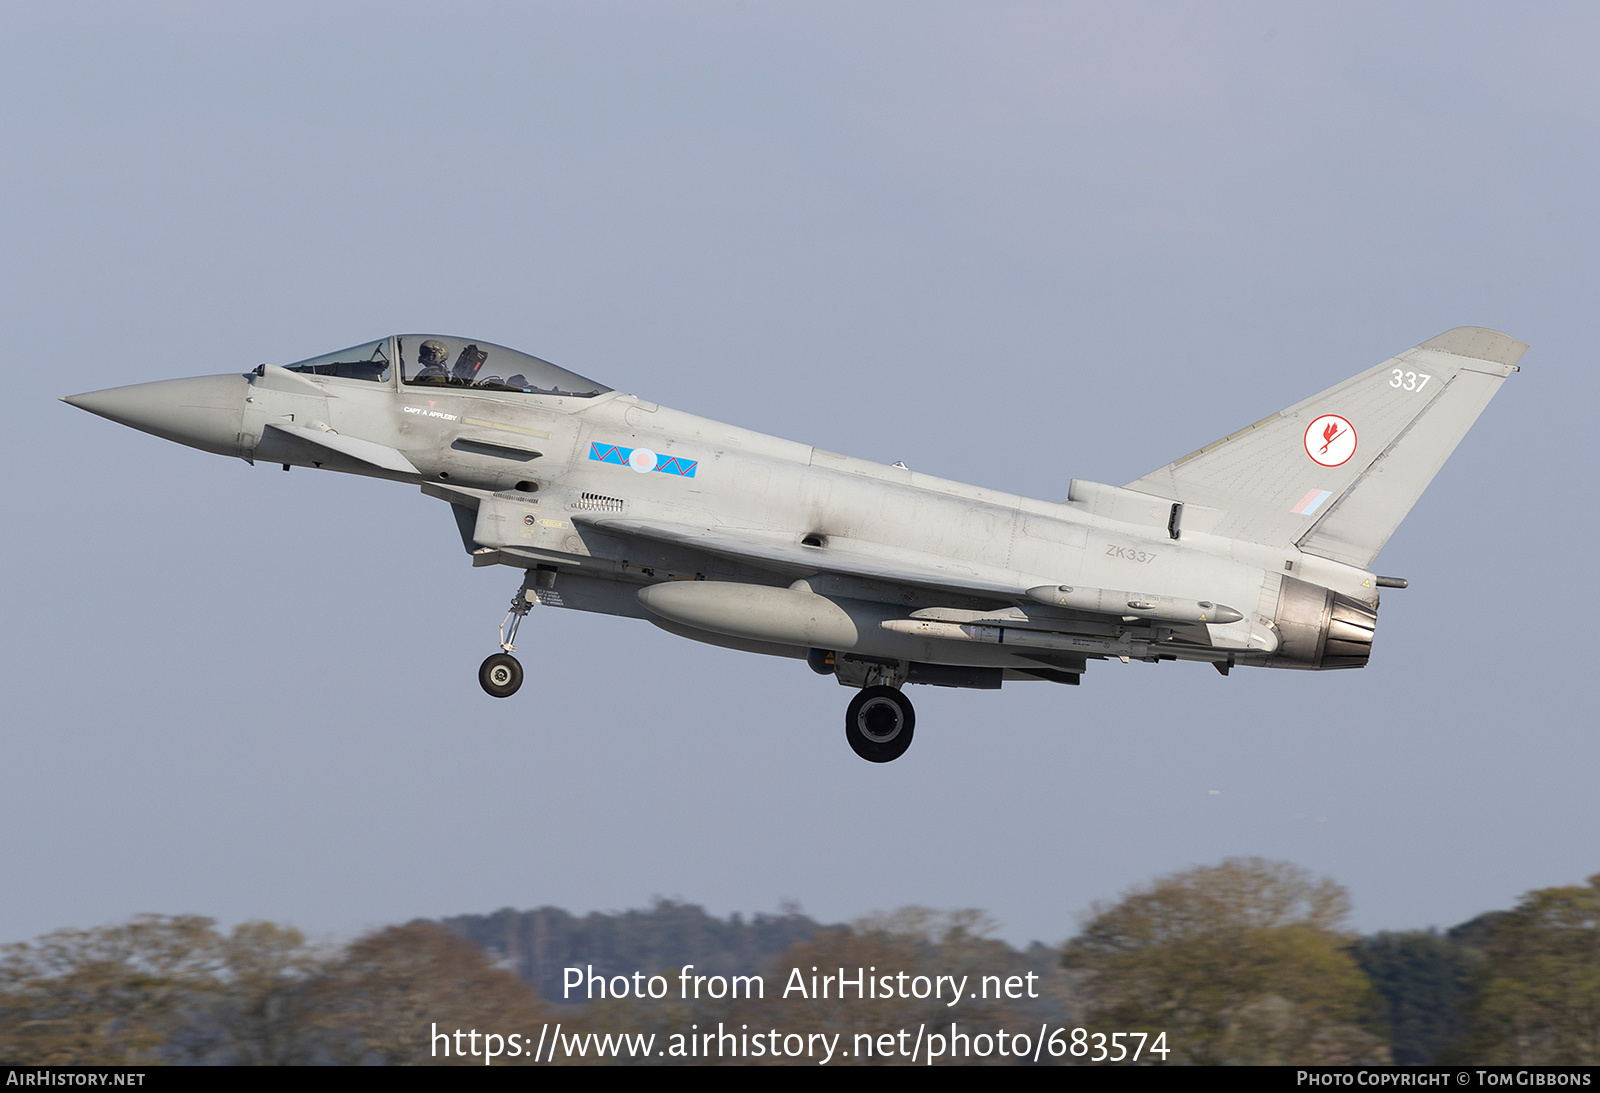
(205, 412)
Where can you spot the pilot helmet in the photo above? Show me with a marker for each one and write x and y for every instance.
(432, 352)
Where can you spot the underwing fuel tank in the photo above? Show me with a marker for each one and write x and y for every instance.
(1321, 629)
(783, 616)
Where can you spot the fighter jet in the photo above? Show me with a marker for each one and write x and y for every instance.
(1255, 550)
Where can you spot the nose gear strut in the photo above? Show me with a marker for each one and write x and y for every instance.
(501, 674)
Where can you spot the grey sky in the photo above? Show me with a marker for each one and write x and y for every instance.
(1011, 244)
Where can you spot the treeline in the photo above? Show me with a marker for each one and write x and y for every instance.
(1245, 962)
(175, 990)
(539, 944)
(1250, 962)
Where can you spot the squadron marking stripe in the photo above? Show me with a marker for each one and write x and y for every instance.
(619, 456)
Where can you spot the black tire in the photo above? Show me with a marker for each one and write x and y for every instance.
(500, 675)
(879, 724)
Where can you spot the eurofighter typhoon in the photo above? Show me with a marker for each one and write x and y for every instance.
(1256, 550)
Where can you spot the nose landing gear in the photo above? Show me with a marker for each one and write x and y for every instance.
(501, 673)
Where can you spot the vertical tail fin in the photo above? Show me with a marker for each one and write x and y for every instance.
(1336, 474)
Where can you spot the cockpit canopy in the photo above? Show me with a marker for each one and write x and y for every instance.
(439, 360)
(359, 362)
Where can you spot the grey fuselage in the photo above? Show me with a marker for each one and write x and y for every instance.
(797, 548)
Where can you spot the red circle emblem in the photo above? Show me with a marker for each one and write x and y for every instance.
(1330, 440)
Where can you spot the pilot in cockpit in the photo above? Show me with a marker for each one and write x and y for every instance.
(432, 356)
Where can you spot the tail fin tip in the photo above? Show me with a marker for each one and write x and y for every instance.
(1479, 343)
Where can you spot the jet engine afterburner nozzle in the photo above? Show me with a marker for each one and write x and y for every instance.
(1322, 629)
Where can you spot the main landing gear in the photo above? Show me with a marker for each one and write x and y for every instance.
(879, 724)
(501, 674)
(880, 720)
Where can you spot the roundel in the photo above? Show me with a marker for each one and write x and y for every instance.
(642, 460)
(1330, 440)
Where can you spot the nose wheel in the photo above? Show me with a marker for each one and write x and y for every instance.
(500, 675)
(879, 723)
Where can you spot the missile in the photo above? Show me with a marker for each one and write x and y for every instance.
(1015, 637)
(1142, 605)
